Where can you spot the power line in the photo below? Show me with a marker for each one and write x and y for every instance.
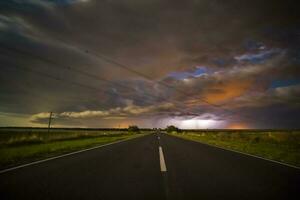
(130, 69)
(55, 64)
(115, 63)
(26, 69)
(101, 56)
(120, 65)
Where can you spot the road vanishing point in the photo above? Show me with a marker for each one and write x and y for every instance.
(154, 167)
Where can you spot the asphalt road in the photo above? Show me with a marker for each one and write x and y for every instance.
(137, 169)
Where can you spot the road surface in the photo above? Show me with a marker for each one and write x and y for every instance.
(155, 166)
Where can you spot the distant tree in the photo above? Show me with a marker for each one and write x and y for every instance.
(172, 128)
(134, 129)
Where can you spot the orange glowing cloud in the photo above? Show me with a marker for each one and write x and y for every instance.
(227, 91)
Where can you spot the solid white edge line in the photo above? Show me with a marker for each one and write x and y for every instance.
(223, 148)
(163, 167)
(64, 155)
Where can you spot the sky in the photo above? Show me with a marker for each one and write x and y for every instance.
(152, 63)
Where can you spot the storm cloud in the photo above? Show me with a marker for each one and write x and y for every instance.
(111, 62)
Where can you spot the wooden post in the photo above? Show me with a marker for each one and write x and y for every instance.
(49, 124)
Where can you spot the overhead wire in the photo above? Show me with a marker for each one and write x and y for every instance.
(58, 65)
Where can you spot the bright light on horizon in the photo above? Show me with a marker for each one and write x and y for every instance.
(196, 123)
(238, 126)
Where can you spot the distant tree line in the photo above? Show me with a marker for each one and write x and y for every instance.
(134, 129)
(172, 128)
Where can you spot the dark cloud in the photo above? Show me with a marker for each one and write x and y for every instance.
(55, 55)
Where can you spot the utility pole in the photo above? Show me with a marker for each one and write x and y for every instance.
(49, 124)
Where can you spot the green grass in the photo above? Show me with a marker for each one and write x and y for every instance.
(283, 146)
(19, 147)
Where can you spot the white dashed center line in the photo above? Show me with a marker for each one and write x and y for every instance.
(163, 167)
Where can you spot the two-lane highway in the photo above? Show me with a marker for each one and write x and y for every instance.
(155, 166)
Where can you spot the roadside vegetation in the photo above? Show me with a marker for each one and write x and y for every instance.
(22, 145)
(283, 146)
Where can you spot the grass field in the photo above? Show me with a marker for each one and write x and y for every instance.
(283, 146)
(19, 146)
